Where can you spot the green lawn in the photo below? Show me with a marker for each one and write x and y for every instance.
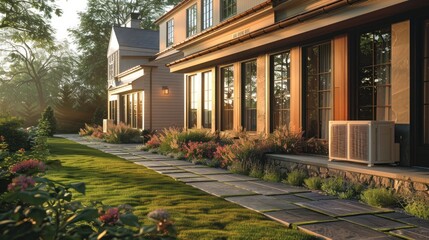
(196, 215)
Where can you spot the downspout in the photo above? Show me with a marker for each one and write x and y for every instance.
(150, 99)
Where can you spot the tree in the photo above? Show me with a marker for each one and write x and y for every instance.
(47, 124)
(29, 16)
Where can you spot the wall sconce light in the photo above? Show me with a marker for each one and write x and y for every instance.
(165, 90)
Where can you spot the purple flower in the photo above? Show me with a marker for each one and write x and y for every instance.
(21, 183)
(28, 167)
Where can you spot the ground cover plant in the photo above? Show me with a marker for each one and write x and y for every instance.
(196, 215)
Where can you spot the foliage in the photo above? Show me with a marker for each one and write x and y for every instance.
(317, 146)
(200, 150)
(94, 131)
(122, 133)
(313, 183)
(296, 178)
(173, 139)
(154, 142)
(379, 197)
(47, 123)
(30, 17)
(272, 174)
(418, 207)
(15, 137)
(147, 135)
(284, 141)
(341, 188)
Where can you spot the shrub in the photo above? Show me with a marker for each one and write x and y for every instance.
(95, 131)
(313, 183)
(379, 197)
(147, 135)
(173, 139)
(342, 189)
(122, 133)
(256, 172)
(13, 135)
(47, 123)
(418, 207)
(272, 175)
(200, 150)
(284, 141)
(317, 146)
(296, 178)
(154, 142)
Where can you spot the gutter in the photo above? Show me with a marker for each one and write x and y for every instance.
(271, 28)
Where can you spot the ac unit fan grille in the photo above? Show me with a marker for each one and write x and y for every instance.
(358, 137)
(338, 141)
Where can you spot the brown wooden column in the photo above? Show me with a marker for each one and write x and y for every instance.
(261, 95)
(295, 90)
(340, 81)
(237, 96)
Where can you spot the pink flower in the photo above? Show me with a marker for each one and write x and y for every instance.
(21, 183)
(111, 216)
(28, 167)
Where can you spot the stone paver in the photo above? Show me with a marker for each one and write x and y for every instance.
(262, 203)
(220, 189)
(337, 208)
(298, 216)
(375, 222)
(343, 230)
(314, 213)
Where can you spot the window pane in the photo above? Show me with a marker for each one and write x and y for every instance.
(207, 14)
(374, 75)
(426, 124)
(249, 92)
(280, 100)
(170, 32)
(193, 104)
(227, 77)
(207, 100)
(191, 14)
(229, 8)
(318, 99)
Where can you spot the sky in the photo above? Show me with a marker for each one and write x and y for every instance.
(69, 18)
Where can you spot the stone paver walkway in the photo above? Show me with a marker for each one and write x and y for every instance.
(323, 216)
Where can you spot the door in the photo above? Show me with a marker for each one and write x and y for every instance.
(422, 151)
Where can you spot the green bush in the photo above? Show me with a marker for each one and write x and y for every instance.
(13, 135)
(272, 174)
(256, 172)
(418, 207)
(47, 123)
(296, 178)
(379, 197)
(122, 133)
(313, 183)
(340, 188)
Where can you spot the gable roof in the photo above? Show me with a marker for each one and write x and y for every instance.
(137, 38)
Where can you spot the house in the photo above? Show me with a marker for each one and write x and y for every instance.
(142, 92)
(261, 64)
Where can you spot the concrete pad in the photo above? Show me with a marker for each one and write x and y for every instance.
(416, 221)
(343, 230)
(156, 168)
(374, 222)
(196, 179)
(282, 187)
(412, 233)
(341, 207)
(230, 177)
(131, 157)
(220, 189)
(298, 216)
(315, 196)
(207, 170)
(262, 203)
(150, 164)
(181, 175)
(394, 215)
(291, 198)
(176, 163)
(257, 188)
(170, 171)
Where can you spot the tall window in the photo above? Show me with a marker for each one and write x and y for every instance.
(227, 87)
(249, 95)
(191, 20)
(113, 110)
(170, 32)
(207, 99)
(129, 109)
(228, 8)
(374, 75)
(140, 110)
(207, 14)
(193, 103)
(426, 82)
(280, 90)
(318, 99)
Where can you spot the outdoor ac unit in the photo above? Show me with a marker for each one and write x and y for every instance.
(369, 142)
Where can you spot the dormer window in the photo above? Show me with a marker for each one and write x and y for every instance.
(228, 8)
(170, 32)
(191, 20)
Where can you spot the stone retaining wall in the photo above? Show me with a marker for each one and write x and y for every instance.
(402, 187)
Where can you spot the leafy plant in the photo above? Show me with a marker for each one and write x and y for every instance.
(13, 134)
(418, 207)
(379, 197)
(122, 133)
(317, 146)
(296, 178)
(200, 150)
(272, 174)
(314, 183)
(47, 123)
(147, 135)
(339, 187)
(284, 141)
